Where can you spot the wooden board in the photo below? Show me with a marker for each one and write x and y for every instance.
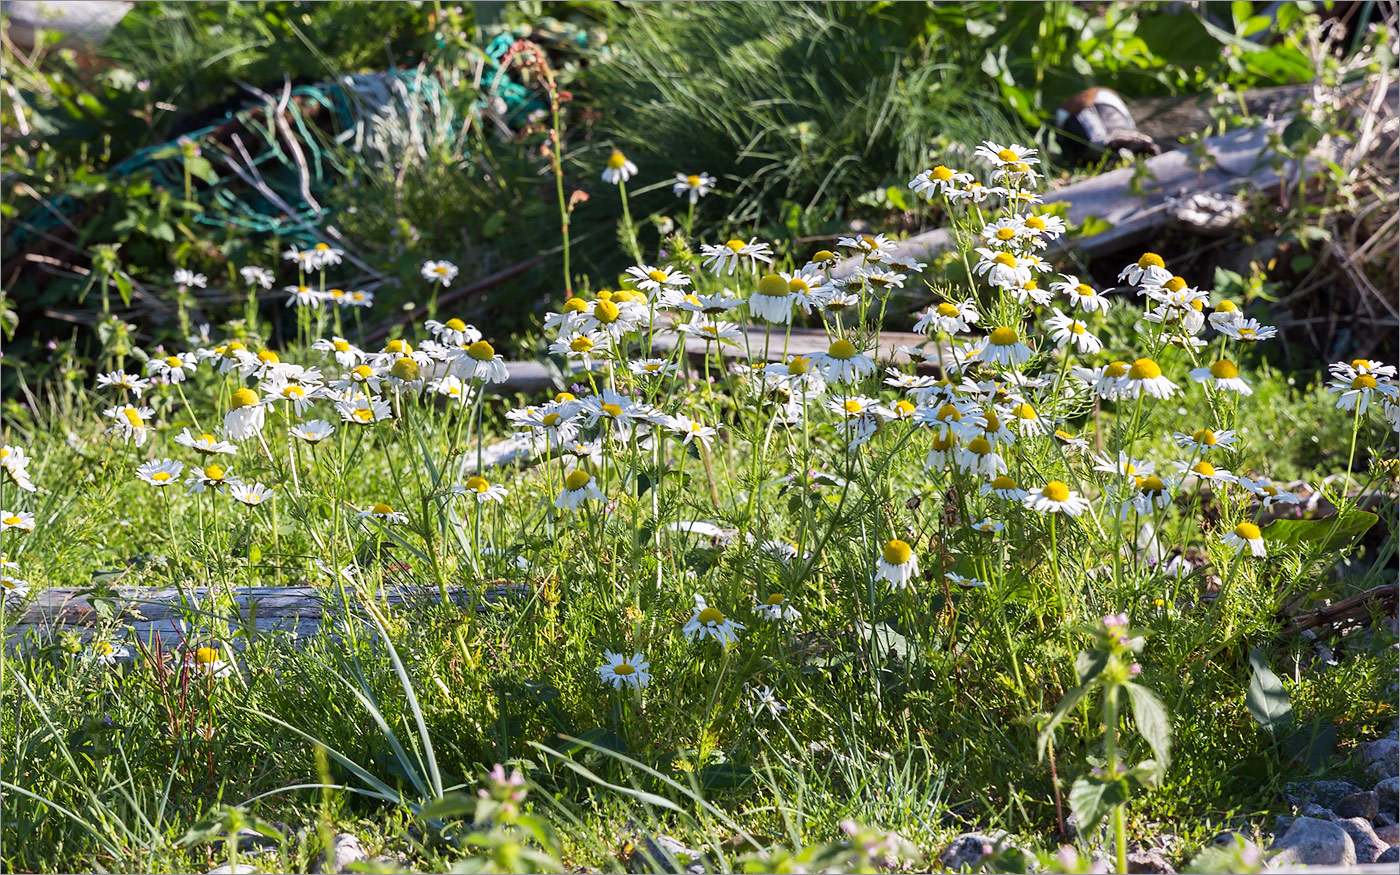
(176, 615)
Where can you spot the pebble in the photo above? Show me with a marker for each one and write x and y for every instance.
(1390, 834)
(656, 853)
(1364, 804)
(1380, 758)
(1149, 861)
(1388, 797)
(1313, 842)
(1389, 855)
(346, 849)
(1324, 793)
(966, 851)
(1363, 839)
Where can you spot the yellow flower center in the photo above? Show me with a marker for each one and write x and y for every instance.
(103, 648)
(1152, 484)
(1144, 369)
(1175, 284)
(711, 615)
(1035, 222)
(206, 438)
(852, 406)
(206, 655)
(941, 173)
(481, 351)
(133, 417)
(776, 598)
(735, 245)
(1004, 336)
(362, 414)
(659, 276)
(161, 476)
(980, 446)
(1224, 370)
(362, 372)
(1084, 291)
(581, 344)
(1248, 531)
(611, 409)
(268, 357)
(943, 444)
(774, 286)
(948, 413)
(1008, 155)
(947, 310)
(1205, 469)
(1076, 327)
(405, 369)
(1364, 381)
(322, 247)
(243, 398)
(1025, 411)
(903, 408)
(381, 509)
(824, 255)
(1055, 491)
(12, 520)
(993, 421)
(455, 324)
(1150, 259)
(214, 474)
(575, 305)
(173, 361)
(842, 350)
(234, 347)
(1226, 307)
(798, 365)
(1006, 234)
(550, 419)
(402, 347)
(1204, 436)
(577, 480)
(561, 397)
(1005, 258)
(478, 484)
(624, 669)
(606, 312)
(341, 345)
(693, 180)
(616, 160)
(440, 269)
(897, 552)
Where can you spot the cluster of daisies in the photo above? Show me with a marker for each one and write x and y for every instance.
(1014, 363)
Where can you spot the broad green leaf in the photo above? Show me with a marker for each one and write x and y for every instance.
(1153, 722)
(1266, 698)
(450, 807)
(1047, 733)
(1336, 532)
(1311, 745)
(1092, 797)
(1089, 664)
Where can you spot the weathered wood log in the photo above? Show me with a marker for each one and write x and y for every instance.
(176, 615)
(1382, 598)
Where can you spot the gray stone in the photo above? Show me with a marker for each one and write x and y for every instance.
(1312, 809)
(1364, 804)
(1313, 842)
(1389, 855)
(1390, 833)
(345, 849)
(1363, 839)
(1388, 797)
(1149, 861)
(1380, 758)
(1324, 793)
(966, 851)
(664, 854)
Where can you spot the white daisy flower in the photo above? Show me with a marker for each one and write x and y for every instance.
(385, 513)
(322, 256)
(1124, 465)
(764, 701)
(1066, 331)
(208, 661)
(1056, 497)
(938, 180)
(1264, 489)
(694, 185)
(988, 526)
(727, 257)
(160, 473)
(969, 582)
(1204, 470)
(1044, 227)
(482, 490)
(711, 331)
(1003, 346)
(304, 296)
(948, 317)
(777, 607)
(582, 345)
(1145, 376)
(619, 169)
(246, 415)
(1081, 295)
(453, 332)
(1224, 375)
(1149, 270)
(256, 276)
(711, 622)
(773, 300)
(312, 431)
(480, 362)
(123, 380)
(1027, 419)
(15, 461)
(129, 423)
(1107, 381)
(173, 367)
(654, 279)
(620, 671)
(979, 457)
(346, 354)
(1356, 388)
(188, 278)
(453, 387)
(871, 247)
(250, 494)
(689, 431)
(1204, 439)
(363, 409)
(1247, 330)
(213, 477)
(579, 486)
(652, 367)
(16, 519)
(842, 362)
(1003, 269)
(104, 652)
(1246, 536)
(897, 563)
(1005, 156)
(1151, 495)
(442, 272)
(206, 444)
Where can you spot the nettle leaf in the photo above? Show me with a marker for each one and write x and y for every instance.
(1093, 796)
(1089, 664)
(1336, 532)
(1311, 745)
(1266, 698)
(1152, 721)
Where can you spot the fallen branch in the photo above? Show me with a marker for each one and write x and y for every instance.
(1351, 609)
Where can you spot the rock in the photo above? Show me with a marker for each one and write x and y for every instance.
(1390, 834)
(1313, 842)
(1363, 839)
(1388, 797)
(1324, 793)
(1312, 809)
(345, 849)
(1380, 758)
(1150, 861)
(966, 851)
(1364, 804)
(665, 854)
(1389, 855)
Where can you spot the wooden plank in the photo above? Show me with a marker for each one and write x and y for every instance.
(171, 613)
